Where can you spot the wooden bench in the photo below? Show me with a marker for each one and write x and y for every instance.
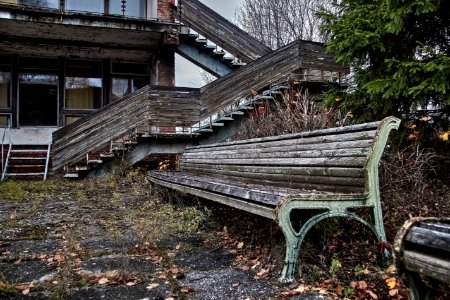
(326, 171)
(422, 256)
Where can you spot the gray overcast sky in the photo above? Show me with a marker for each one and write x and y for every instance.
(187, 74)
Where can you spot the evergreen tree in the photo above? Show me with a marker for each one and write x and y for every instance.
(399, 53)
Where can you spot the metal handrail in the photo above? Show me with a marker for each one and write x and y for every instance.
(7, 128)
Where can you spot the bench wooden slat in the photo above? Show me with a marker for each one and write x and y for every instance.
(292, 181)
(320, 132)
(430, 238)
(321, 161)
(288, 147)
(358, 152)
(429, 265)
(311, 141)
(266, 198)
(290, 170)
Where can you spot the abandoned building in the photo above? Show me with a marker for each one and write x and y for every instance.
(84, 81)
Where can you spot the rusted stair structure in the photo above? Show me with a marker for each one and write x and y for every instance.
(27, 161)
(192, 110)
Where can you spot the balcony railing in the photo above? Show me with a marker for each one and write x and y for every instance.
(140, 9)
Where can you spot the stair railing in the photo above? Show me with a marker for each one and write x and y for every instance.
(7, 128)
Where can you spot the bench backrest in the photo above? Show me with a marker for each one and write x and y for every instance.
(338, 159)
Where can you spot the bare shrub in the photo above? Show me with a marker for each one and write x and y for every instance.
(409, 188)
(290, 113)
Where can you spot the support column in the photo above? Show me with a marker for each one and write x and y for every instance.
(14, 89)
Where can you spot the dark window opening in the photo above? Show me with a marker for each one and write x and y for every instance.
(38, 100)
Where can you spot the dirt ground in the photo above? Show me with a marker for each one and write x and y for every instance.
(115, 239)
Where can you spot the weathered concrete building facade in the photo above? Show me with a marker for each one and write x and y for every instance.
(63, 59)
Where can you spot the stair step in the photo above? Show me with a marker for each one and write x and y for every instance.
(226, 118)
(262, 97)
(24, 166)
(205, 130)
(95, 161)
(246, 107)
(24, 174)
(28, 151)
(227, 60)
(201, 42)
(238, 113)
(218, 54)
(235, 65)
(82, 168)
(216, 124)
(209, 49)
(71, 175)
(27, 158)
(105, 155)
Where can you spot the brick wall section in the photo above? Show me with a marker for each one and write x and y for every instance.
(166, 67)
(165, 10)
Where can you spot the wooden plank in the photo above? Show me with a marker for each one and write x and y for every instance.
(429, 238)
(291, 170)
(321, 161)
(207, 183)
(288, 147)
(428, 265)
(267, 212)
(321, 132)
(286, 180)
(277, 153)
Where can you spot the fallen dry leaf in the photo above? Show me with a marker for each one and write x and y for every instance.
(393, 292)
(240, 245)
(112, 274)
(152, 286)
(187, 290)
(302, 289)
(103, 280)
(262, 273)
(362, 285)
(245, 268)
(372, 294)
(26, 291)
(391, 282)
(131, 283)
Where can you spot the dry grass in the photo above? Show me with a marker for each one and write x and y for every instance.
(290, 113)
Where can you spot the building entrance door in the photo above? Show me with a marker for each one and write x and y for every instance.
(38, 100)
